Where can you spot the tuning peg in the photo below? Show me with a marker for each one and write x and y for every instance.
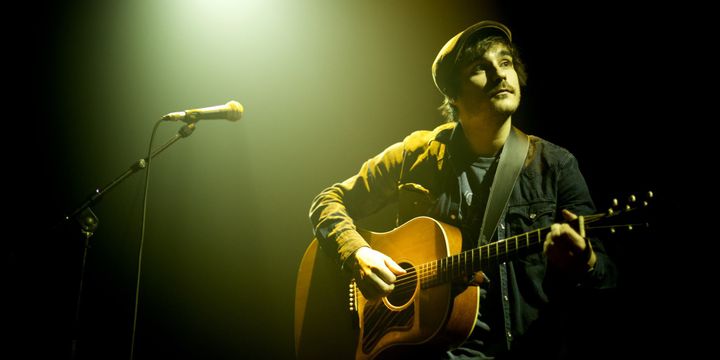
(632, 198)
(628, 208)
(650, 194)
(612, 230)
(645, 203)
(611, 212)
(614, 202)
(630, 227)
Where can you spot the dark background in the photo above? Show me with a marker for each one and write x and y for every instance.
(227, 214)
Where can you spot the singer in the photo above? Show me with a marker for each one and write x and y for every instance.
(485, 177)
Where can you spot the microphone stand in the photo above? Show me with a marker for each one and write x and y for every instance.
(88, 221)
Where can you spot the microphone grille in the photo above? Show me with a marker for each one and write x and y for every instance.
(236, 110)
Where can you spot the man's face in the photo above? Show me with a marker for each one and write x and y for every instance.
(490, 83)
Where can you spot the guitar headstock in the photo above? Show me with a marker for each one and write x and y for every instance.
(622, 216)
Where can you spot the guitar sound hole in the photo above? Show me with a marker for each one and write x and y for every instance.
(404, 287)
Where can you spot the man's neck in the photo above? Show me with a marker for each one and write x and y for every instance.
(486, 136)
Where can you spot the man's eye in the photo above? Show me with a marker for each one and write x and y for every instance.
(506, 63)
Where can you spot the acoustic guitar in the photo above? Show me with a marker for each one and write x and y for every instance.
(333, 320)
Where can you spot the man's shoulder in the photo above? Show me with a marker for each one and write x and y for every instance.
(422, 138)
(548, 151)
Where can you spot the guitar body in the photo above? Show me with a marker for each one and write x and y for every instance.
(325, 327)
(334, 321)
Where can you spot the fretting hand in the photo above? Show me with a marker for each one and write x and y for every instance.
(566, 250)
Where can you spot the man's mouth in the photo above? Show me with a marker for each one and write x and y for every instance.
(500, 91)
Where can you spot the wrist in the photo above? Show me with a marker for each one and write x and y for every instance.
(351, 262)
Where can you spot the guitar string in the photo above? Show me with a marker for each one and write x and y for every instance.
(408, 283)
(369, 320)
(431, 271)
(379, 316)
(387, 316)
(433, 266)
(376, 330)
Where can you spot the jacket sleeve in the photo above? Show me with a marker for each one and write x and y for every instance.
(333, 210)
(573, 195)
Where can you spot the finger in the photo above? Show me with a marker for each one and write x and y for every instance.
(384, 273)
(552, 234)
(570, 234)
(394, 267)
(569, 215)
(380, 285)
(479, 278)
(555, 231)
(547, 243)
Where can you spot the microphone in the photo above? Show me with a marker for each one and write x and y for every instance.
(231, 111)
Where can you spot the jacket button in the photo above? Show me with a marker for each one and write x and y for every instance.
(452, 216)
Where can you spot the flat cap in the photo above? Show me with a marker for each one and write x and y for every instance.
(446, 62)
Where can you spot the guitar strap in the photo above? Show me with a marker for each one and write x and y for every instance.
(511, 162)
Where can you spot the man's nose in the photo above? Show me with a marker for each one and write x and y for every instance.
(498, 72)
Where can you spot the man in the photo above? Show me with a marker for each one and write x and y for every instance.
(526, 304)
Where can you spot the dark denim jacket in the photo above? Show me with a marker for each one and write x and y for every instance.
(420, 174)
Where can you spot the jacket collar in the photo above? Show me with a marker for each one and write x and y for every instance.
(455, 143)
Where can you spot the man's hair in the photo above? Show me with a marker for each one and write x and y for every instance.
(469, 54)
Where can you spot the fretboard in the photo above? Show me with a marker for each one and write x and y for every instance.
(468, 262)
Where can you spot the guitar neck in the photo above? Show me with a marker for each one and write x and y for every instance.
(464, 264)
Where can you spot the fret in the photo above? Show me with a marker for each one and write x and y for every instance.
(478, 261)
(480, 258)
(440, 269)
(465, 263)
(527, 240)
(469, 264)
(453, 266)
(458, 264)
(447, 270)
(444, 269)
(472, 259)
